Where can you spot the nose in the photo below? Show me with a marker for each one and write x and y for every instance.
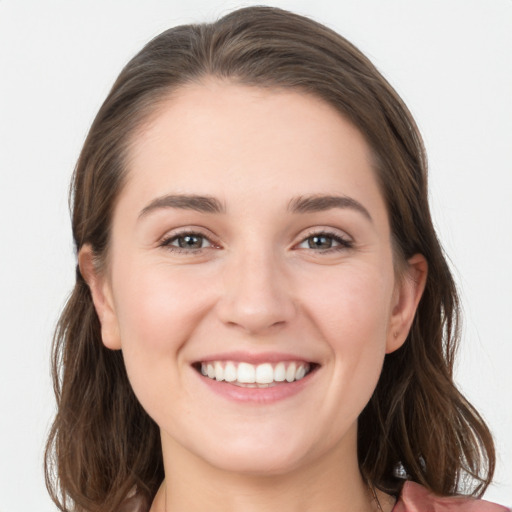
(257, 296)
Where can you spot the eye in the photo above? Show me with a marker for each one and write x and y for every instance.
(325, 242)
(186, 242)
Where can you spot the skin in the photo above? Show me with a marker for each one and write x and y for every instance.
(256, 285)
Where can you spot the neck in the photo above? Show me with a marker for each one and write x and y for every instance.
(330, 483)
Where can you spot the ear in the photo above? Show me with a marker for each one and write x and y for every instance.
(101, 292)
(408, 292)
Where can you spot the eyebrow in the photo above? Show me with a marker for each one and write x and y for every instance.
(204, 204)
(209, 204)
(319, 203)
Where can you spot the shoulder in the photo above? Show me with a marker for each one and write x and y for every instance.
(133, 503)
(415, 498)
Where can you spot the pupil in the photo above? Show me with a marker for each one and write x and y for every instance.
(191, 241)
(320, 242)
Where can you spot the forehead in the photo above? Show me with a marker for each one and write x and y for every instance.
(222, 138)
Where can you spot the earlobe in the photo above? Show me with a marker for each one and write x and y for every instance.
(102, 298)
(408, 293)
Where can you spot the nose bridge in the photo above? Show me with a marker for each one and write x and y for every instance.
(256, 295)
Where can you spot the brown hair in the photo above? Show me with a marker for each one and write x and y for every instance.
(417, 425)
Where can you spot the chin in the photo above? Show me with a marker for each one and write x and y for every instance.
(257, 462)
(256, 455)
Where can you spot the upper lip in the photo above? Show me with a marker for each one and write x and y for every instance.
(254, 358)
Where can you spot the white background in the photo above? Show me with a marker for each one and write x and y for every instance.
(451, 60)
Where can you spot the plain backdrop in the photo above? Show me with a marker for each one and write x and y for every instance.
(451, 61)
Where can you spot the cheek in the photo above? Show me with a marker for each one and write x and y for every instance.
(352, 313)
(352, 307)
(157, 308)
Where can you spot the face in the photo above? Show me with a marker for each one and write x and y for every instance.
(250, 280)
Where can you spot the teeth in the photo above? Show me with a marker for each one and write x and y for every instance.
(230, 372)
(246, 373)
(290, 373)
(280, 372)
(264, 373)
(219, 371)
(250, 375)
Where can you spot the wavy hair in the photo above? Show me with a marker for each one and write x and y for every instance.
(417, 425)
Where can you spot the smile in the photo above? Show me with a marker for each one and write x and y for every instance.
(255, 375)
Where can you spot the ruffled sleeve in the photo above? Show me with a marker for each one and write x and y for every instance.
(415, 498)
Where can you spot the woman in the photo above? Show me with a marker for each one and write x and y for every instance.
(263, 317)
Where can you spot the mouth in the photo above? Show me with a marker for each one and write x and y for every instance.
(247, 375)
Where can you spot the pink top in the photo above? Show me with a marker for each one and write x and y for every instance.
(413, 498)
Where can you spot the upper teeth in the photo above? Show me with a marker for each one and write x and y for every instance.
(246, 373)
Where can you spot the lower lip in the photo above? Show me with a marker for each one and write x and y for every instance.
(271, 394)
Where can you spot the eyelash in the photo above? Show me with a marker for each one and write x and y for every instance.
(343, 243)
(167, 241)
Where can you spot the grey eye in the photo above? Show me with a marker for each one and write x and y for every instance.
(325, 242)
(320, 242)
(186, 242)
(189, 241)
